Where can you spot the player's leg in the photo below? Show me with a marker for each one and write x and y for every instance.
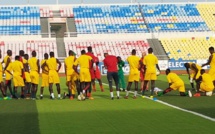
(116, 81)
(2, 90)
(15, 92)
(77, 82)
(128, 89)
(94, 85)
(109, 78)
(152, 86)
(8, 84)
(41, 92)
(100, 84)
(51, 91)
(135, 88)
(58, 90)
(169, 89)
(144, 86)
(33, 90)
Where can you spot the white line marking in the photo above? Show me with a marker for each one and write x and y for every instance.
(175, 107)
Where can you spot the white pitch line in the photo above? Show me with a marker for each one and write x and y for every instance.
(175, 107)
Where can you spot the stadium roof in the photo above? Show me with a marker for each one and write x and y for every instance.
(42, 2)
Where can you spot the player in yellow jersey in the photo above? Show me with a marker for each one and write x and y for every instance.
(7, 61)
(134, 74)
(34, 64)
(54, 66)
(211, 62)
(70, 74)
(45, 75)
(85, 78)
(175, 83)
(1, 82)
(206, 86)
(150, 63)
(27, 78)
(17, 68)
(195, 73)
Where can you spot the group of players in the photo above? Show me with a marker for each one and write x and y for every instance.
(25, 73)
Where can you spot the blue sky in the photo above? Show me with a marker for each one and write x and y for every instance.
(21, 2)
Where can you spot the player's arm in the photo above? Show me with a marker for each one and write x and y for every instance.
(209, 61)
(199, 79)
(59, 65)
(92, 61)
(65, 68)
(195, 69)
(43, 65)
(140, 66)
(38, 65)
(7, 63)
(105, 64)
(75, 67)
(157, 66)
(22, 72)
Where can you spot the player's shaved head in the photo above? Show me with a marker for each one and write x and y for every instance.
(71, 52)
(168, 71)
(17, 57)
(9, 52)
(21, 53)
(83, 52)
(133, 52)
(46, 56)
(211, 50)
(118, 58)
(187, 65)
(89, 49)
(150, 50)
(34, 53)
(105, 54)
(202, 71)
(26, 56)
(51, 54)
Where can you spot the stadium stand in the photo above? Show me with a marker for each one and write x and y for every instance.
(207, 12)
(16, 20)
(116, 47)
(173, 17)
(109, 19)
(40, 46)
(188, 48)
(46, 12)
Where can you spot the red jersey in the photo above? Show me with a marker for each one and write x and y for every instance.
(91, 69)
(110, 62)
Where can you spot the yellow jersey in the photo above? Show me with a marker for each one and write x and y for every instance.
(207, 80)
(197, 66)
(16, 67)
(212, 64)
(5, 60)
(46, 67)
(150, 62)
(83, 61)
(33, 64)
(52, 63)
(69, 61)
(173, 78)
(133, 62)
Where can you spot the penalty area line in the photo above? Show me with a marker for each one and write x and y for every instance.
(175, 107)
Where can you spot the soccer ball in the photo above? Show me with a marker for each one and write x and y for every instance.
(81, 97)
(157, 72)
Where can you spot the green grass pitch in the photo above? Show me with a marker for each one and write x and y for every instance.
(106, 116)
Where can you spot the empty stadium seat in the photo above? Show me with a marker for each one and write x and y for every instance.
(109, 19)
(173, 17)
(188, 48)
(40, 46)
(19, 20)
(119, 48)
